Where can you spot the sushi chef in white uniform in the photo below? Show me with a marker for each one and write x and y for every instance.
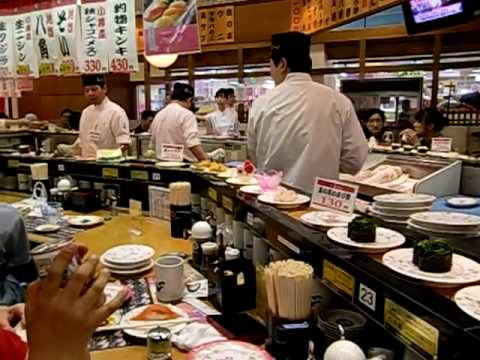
(223, 121)
(177, 124)
(302, 127)
(103, 124)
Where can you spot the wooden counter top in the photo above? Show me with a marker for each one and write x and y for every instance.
(156, 233)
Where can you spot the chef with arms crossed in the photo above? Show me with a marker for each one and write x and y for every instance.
(103, 124)
(176, 124)
(302, 127)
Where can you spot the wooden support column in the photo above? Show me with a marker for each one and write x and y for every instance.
(437, 52)
(147, 85)
(362, 54)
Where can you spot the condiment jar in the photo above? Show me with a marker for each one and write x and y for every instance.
(159, 344)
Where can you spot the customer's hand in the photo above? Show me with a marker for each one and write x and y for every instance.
(409, 136)
(61, 321)
(10, 316)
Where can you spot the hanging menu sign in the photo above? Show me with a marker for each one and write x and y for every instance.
(67, 32)
(313, 15)
(217, 25)
(93, 50)
(122, 52)
(46, 48)
(26, 59)
(170, 27)
(7, 47)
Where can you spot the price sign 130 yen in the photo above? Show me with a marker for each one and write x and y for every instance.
(334, 195)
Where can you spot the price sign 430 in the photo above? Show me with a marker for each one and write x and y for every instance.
(119, 65)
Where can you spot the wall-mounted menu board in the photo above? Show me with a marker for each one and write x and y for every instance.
(217, 25)
(310, 16)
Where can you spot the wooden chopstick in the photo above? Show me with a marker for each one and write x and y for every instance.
(145, 324)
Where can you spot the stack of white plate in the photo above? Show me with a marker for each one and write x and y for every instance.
(128, 259)
(445, 223)
(397, 208)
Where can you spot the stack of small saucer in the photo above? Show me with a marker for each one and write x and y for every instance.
(352, 323)
(445, 224)
(397, 208)
(128, 259)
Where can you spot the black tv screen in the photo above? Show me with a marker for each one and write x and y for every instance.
(427, 15)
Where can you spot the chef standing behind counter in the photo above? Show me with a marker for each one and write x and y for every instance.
(177, 124)
(302, 127)
(103, 124)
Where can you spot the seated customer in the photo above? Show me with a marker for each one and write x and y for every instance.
(429, 123)
(60, 318)
(374, 124)
(146, 121)
(15, 261)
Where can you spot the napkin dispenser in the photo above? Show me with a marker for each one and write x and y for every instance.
(85, 201)
(289, 340)
(237, 286)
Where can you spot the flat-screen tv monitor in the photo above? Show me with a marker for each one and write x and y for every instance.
(428, 15)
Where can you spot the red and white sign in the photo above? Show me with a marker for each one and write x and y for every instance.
(7, 47)
(122, 53)
(45, 42)
(26, 59)
(94, 44)
(67, 33)
(170, 28)
(172, 152)
(441, 144)
(334, 195)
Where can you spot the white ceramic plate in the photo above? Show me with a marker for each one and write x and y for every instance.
(124, 267)
(170, 164)
(385, 239)
(142, 333)
(251, 189)
(131, 272)
(446, 220)
(382, 215)
(228, 349)
(47, 228)
(462, 202)
(230, 173)
(238, 181)
(399, 211)
(464, 270)
(326, 219)
(84, 220)
(404, 200)
(468, 299)
(440, 232)
(128, 254)
(269, 199)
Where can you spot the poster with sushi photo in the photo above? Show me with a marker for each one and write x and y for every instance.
(170, 27)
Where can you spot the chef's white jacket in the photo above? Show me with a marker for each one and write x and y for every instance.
(306, 130)
(223, 122)
(175, 125)
(109, 124)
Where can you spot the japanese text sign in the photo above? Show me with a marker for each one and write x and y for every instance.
(122, 52)
(334, 195)
(67, 33)
(93, 52)
(217, 25)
